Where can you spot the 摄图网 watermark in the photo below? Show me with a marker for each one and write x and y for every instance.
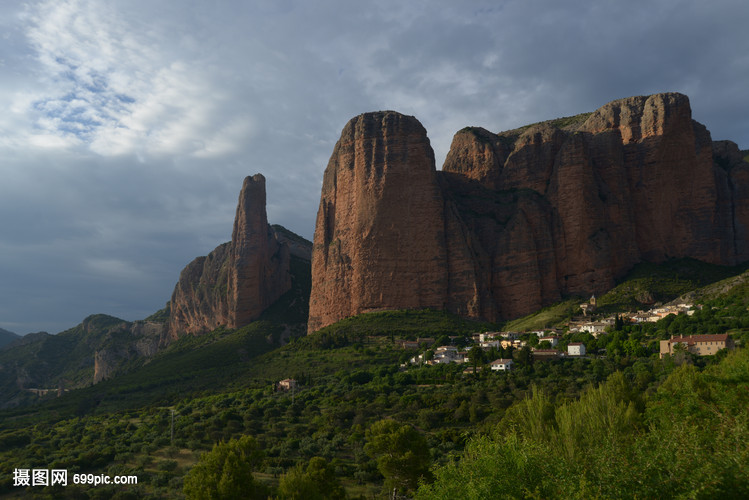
(54, 477)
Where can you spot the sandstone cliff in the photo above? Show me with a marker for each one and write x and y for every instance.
(517, 220)
(236, 282)
(379, 238)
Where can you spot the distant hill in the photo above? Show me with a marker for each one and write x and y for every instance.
(69, 359)
(104, 347)
(7, 337)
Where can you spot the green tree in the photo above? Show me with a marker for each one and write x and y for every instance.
(316, 482)
(401, 452)
(477, 357)
(523, 356)
(226, 472)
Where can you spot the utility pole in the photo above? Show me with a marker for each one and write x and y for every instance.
(171, 439)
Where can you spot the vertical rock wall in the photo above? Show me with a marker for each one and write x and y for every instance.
(516, 221)
(379, 239)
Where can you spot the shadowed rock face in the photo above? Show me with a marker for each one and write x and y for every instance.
(517, 220)
(236, 282)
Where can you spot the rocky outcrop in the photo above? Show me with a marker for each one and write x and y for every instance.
(521, 218)
(379, 238)
(199, 302)
(258, 267)
(140, 339)
(236, 282)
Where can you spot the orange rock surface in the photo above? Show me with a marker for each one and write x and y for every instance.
(517, 220)
(236, 282)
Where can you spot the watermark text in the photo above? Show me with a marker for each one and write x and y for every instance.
(54, 477)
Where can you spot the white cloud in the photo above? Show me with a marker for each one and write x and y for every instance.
(107, 87)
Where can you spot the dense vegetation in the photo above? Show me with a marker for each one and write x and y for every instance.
(685, 439)
(620, 424)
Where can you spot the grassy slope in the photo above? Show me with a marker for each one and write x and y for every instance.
(650, 283)
(645, 285)
(250, 357)
(405, 323)
(190, 366)
(547, 317)
(7, 337)
(734, 285)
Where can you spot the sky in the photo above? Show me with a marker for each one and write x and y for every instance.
(127, 126)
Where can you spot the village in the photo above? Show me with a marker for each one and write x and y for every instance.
(495, 349)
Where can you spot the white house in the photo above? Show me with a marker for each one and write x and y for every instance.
(501, 365)
(553, 340)
(488, 344)
(576, 349)
(446, 354)
(487, 336)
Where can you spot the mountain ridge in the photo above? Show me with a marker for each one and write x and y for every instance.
(7, 337)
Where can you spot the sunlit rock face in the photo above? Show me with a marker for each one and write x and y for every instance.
(236, 282)
(517, 220)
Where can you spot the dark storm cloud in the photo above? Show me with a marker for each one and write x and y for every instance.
(128, 126)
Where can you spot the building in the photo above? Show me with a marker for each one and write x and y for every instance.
(488, 336)
(409, 344)
(287, 385)
(515, 344)
(589, 306)
(545, 354)
(447, 354)
(501, 365)
(576, 349)
(701, 345)
(553, 340)
(595, 328)
(488, 344)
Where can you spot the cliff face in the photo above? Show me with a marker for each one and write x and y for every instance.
(524, 217)
(379, 238)
(236, 282)
(142, 340)
(258, 267)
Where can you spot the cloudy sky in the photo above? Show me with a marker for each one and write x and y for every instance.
(127, 126)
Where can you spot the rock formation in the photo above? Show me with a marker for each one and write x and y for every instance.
(140, 339)
(379, 237)
(236, 282)
(258, 266)
(517, 220)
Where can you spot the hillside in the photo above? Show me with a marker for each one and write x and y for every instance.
(221, 386)
(103, 346)
(647, 284)
(513, 234)
(7, 337)
(68, 360)
(676, 280)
